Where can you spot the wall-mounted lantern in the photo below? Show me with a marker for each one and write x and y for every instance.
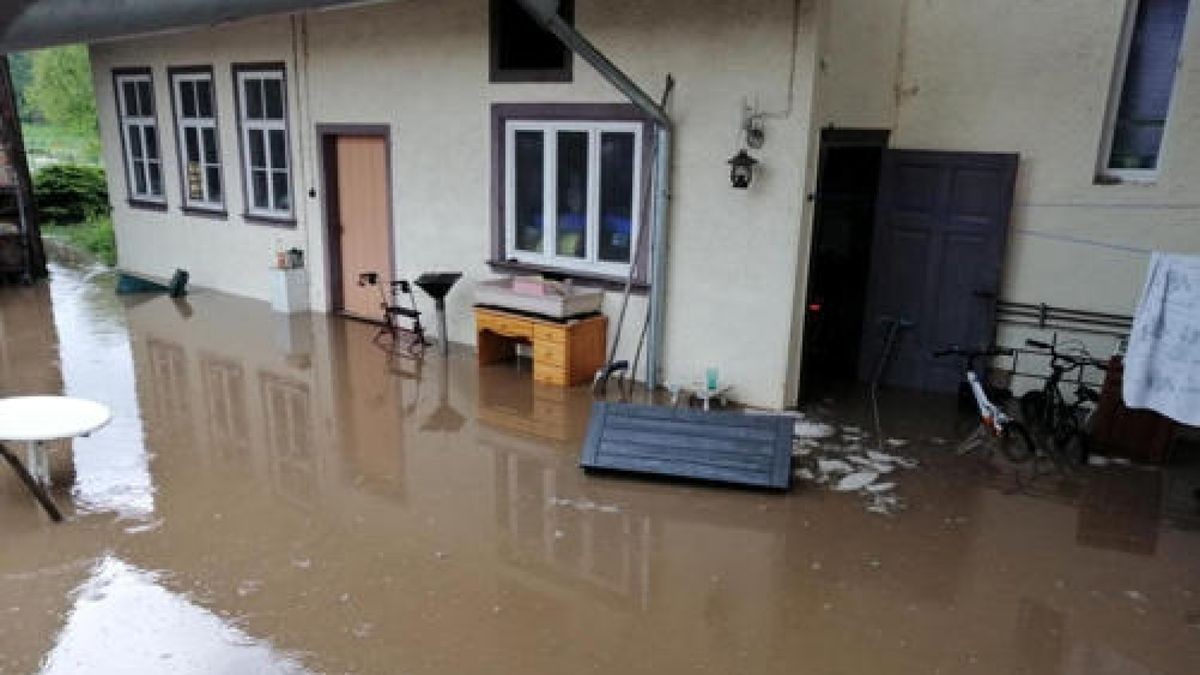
(741, 169)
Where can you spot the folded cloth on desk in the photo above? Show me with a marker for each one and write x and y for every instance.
(1162, 364)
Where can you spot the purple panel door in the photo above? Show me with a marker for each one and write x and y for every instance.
(941, 223)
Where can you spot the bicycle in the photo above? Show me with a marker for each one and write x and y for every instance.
(996, 427)
(1061, 424)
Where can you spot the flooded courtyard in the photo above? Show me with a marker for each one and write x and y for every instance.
(276, 495)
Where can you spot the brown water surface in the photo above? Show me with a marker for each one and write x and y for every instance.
(274, 495)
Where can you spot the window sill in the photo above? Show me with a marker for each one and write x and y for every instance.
(146, 204)
(213, 214)
(1145, 180)
(586, 279)
(531, 76)
(270, 221)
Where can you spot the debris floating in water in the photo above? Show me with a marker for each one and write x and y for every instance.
(833, 466)
(840, 461)
(856, 481)
(805, 429)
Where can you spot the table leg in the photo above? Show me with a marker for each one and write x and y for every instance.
(38, 490)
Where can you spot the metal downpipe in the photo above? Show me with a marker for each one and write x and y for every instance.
(545, 12)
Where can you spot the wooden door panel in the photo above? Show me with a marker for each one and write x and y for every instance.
(941, 225)
(364, 220)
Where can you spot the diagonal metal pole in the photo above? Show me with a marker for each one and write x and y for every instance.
(34, 486)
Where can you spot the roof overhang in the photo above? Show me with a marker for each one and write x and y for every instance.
(32, 24)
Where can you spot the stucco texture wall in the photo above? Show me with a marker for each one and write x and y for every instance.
(1034, 78)
(422, 69)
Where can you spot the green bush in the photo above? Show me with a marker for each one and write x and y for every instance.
(70, 193)
(94, 236)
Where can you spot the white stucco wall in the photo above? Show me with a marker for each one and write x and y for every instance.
(1034, 78)
(422, 69)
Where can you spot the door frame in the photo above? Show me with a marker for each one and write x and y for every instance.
(831, 137)
(327, 135)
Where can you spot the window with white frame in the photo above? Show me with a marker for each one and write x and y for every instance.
(266, 171)
(571, 199)
(1143, 83)
(196, 131)
(139, 136)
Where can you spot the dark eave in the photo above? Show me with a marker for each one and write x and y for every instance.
(32, 24)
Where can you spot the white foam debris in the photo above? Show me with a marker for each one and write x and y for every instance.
(847, 459)
(856, 481)
(833, 466)
(805, 429)
(877, 456)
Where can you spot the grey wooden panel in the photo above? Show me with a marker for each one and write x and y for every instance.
(725, 447)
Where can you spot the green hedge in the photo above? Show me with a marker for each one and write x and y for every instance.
(70, 193)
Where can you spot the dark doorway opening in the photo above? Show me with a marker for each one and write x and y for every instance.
(840, 259)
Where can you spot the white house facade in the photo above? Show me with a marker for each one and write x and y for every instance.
(217, 141)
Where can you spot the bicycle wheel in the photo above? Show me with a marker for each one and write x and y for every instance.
(1070, 440)
(1016, 444)
(1033, 408)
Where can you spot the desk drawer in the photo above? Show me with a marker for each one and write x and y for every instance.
(549, 333)
(504, 325)
(549, 353)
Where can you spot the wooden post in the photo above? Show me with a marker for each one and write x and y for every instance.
(12, 142)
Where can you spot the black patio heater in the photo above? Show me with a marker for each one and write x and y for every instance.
(437, 286)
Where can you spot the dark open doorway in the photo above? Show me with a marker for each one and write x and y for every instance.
(840, 259)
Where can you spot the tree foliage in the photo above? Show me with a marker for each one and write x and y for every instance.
(61, 88)
(68, 194)
(20, 68)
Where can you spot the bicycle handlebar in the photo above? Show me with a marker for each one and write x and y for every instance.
(1071, 361)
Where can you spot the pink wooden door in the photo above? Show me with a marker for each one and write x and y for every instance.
(364, 221)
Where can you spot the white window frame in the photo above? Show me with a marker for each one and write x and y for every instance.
(144, 126)
(548, 257)
(1117, 90)
(182, 124)
(245, 125)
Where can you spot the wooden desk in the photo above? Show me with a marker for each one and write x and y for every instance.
(564, 353)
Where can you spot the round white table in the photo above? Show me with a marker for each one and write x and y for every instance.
(35, 420)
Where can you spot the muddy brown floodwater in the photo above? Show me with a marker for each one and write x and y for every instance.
(274, 496)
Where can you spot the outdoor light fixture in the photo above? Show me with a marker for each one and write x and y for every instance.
(741, 169)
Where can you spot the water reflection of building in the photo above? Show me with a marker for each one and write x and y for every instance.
(170, 394)
(224, 383)
(287, 417)
(573, 537)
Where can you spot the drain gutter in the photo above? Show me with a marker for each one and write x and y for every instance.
(545, 12)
